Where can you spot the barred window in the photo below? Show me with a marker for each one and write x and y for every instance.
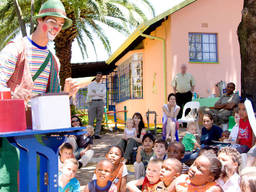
(203, 47)
(130, 78)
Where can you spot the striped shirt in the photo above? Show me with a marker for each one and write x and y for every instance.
(35, 56)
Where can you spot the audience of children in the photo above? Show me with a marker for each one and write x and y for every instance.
(102, 182)
(170, 113)
(144, 153)
(189, 140)
(67, 180)
(160, 150)
(65, 152)
(150, 181)
(159, 166)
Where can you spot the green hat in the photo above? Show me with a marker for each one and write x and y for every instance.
(54, 8)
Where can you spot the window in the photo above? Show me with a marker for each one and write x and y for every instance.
(124, 81)
(203, 47)
(130, 79)
(136, 76)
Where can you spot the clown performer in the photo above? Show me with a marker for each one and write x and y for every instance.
(28, 68)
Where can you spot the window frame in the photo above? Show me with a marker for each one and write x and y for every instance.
(202, 44)
(122, 77)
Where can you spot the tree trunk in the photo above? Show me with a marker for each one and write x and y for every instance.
(32, 14)
(20, 18)
(247, 40)
(63, 48)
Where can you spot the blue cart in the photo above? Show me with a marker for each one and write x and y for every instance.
(30, 149)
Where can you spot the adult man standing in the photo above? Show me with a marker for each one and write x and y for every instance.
(96, 101)
(28, 68)
(183, 85)
(231, 160)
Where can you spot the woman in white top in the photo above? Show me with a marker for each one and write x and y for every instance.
(171, 110)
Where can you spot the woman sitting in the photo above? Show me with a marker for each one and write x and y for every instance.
(171, 110)
(128, 145)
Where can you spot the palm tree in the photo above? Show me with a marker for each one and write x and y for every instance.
(88, 16)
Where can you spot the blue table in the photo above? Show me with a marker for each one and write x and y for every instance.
(30, 148)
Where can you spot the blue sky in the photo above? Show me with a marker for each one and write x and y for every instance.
(116, 39)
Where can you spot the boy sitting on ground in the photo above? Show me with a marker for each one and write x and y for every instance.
(189, 140)
(177, 150)
(67, 180)
(65, 152)
(150, 181)
(160, 150)
(144, 153)
(170, 170)
(82, 145)
(102, 182)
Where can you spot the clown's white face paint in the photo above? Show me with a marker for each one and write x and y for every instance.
(53, 28)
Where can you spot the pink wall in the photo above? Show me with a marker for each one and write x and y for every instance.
(223, 18)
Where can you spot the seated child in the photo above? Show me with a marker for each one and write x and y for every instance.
(248, 179)
(225, 136)
(119, 173)
(130, 130)
(67, 180)
(65, 152)
(177, 150)
(144, 153)
(245, 135)
(129, 140)
(170, 170)
(201, 176)
(82, 145)
(189, 140)
(234, 132)
(160, 150)
(150, 181)
(102, 182)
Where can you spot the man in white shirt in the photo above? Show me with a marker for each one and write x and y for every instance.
(183, 85)
(230, 159)
(96, 101)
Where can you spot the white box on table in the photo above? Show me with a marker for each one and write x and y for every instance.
(50, 111)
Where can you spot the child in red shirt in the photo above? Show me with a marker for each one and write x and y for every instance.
(245, 135)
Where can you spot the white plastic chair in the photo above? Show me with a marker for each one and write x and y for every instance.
(194, 106)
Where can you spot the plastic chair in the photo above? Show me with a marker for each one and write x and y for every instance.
(193, 114)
